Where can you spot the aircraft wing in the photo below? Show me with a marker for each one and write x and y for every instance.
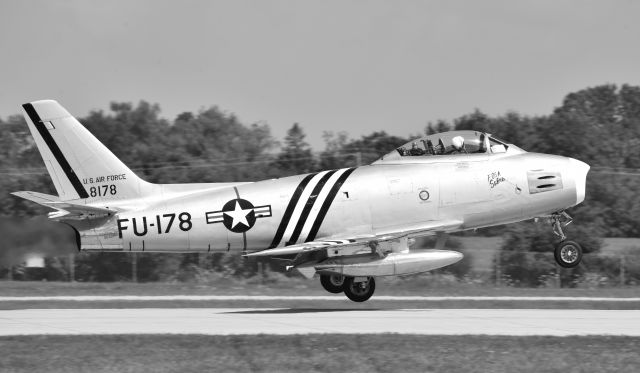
(388, 234)
(421, 229)
(64, 209)
(308, 246)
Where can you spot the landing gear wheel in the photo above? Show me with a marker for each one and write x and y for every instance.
(568, 254)
(332, 283)
(359, 291)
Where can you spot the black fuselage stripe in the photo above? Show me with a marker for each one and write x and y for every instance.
(327, 204)
(244, 234)
(55, 150)
(289, 211)
(307, 207)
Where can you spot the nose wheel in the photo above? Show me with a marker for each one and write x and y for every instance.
(568, 254)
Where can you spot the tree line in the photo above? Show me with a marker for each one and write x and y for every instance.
(599, 125)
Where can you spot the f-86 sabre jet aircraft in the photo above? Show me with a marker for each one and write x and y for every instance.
(348, 225)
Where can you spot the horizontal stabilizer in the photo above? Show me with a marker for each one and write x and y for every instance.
(64, 208)
(40, 198)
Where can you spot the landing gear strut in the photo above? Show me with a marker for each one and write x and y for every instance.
(361, 290)
(568, 254)
(559, 220)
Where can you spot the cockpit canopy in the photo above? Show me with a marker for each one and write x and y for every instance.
(450, 143)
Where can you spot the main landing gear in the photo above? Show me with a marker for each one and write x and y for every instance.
(358, 289)
(568, 254)
(332, 283)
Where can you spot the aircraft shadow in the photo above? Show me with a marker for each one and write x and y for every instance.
(302, 310)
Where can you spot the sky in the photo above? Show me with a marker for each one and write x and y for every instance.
(355, 66)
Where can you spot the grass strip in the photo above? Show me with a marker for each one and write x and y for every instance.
(318, 353)
(295, 286)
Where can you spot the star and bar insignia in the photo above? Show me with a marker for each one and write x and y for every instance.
(238, 215)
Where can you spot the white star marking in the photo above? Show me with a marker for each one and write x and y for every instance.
(238, 215)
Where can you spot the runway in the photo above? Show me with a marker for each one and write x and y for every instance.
(228, 321)
(340, 298)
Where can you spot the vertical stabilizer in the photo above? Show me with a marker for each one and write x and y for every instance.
(79, 165)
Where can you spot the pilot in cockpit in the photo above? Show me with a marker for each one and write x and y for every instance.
(457, 144)
(415, 150)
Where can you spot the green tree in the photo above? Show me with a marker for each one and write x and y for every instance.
(295, 157)
(437, 127)
(333, 155)
(373, 146)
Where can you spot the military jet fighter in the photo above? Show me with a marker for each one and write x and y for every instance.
(348, 225)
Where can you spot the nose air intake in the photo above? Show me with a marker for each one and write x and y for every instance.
(580, 170)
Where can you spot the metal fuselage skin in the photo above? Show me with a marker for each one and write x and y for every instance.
(478, 190)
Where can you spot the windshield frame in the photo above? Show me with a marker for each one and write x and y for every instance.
(441, 144)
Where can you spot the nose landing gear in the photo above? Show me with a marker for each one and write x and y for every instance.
(568, 254)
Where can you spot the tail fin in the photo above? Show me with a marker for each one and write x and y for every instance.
(79, 165)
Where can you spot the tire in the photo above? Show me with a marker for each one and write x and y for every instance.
(568, 254)
(359, 291)
(332, 283)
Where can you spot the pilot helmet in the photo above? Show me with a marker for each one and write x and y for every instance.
(457, 142)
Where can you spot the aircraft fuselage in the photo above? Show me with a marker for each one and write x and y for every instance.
(478, 189)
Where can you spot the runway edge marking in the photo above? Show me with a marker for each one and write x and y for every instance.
(98, 298)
